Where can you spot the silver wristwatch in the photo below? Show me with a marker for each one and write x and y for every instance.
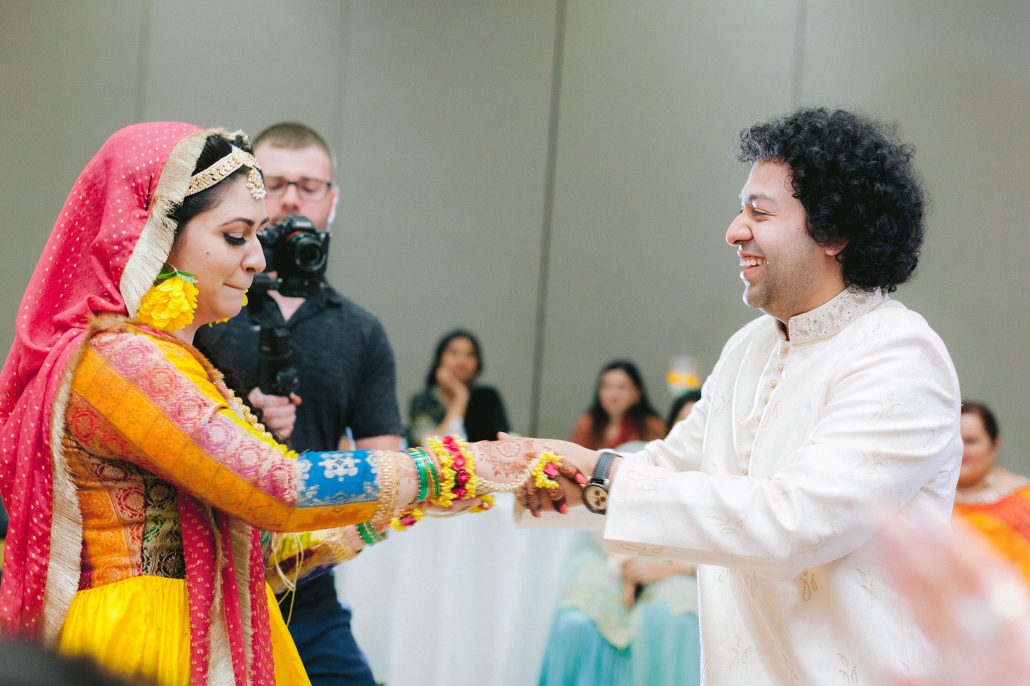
(595, 490)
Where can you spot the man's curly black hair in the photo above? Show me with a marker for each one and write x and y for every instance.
(856, 183)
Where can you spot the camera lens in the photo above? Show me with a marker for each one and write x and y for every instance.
(308, 254)
(298, 253)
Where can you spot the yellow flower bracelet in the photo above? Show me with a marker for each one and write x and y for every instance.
(545, 471)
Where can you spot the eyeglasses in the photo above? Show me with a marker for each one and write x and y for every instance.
(307, 188)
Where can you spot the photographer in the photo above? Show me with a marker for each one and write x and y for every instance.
(344, 372)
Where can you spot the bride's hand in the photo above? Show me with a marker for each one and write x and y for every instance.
(508, 462)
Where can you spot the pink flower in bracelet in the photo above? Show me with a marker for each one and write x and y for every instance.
(458, 493)
(461, 478)
(551, 470)
(459, 462)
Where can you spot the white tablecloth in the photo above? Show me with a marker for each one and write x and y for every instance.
(466, 601)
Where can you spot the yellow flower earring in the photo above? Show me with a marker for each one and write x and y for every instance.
(170, 303)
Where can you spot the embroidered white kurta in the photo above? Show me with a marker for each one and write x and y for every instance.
(774, 483)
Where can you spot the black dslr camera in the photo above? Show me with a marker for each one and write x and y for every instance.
(297, 253)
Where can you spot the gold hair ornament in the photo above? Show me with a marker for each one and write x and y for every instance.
(226, 166)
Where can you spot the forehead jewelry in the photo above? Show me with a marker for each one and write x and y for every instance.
(226, 166)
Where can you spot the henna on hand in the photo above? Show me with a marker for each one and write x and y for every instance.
(571, 472)
(532, 498)
(504, 460)
(569, 477)
(558, 500)
(508, 460)
(407, 468)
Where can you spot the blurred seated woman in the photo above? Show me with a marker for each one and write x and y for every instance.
(992, 500)
(140, 489)
(626, 621)
(452, 402)
(620, 413)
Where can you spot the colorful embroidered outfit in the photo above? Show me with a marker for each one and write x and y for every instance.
(999, 509)
(135, 484)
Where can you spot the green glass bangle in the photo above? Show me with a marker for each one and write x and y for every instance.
(428, 481)
(433, 474)
(423, 475)
(369, 534)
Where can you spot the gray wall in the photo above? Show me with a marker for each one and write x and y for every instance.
(488, 149)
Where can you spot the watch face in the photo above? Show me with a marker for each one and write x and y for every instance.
(595, 497)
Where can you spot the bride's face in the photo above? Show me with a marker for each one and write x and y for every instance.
(220, 246)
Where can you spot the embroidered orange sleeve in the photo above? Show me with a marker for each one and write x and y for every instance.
(151, 402)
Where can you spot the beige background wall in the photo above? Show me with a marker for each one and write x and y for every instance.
(481, 142)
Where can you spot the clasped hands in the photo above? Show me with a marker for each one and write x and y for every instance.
(502, 465)
(543, 473)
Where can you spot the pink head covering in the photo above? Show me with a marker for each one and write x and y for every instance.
(96, 261)
(107, 247)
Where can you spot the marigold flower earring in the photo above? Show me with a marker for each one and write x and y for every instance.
(171, 302)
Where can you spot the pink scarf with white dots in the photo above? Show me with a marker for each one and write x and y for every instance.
(107, 246)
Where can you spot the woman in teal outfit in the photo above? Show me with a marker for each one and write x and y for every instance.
(625, 621)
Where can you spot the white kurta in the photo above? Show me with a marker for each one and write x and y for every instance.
(774, 483)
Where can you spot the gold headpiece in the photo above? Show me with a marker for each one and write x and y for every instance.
(226, 166)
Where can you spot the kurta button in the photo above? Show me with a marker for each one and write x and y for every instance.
(773, 383)
(744, 471)
(765, 399)
(747, 454)
(779, 367)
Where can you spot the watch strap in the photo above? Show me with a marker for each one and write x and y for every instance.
(603, 467)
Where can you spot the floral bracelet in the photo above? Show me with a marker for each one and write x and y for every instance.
(407, 519)
(545, 471)
(457, 470)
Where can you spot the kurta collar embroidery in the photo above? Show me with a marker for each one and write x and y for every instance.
(831, 317)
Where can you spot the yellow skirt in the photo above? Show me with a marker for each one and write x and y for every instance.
(140, 626)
